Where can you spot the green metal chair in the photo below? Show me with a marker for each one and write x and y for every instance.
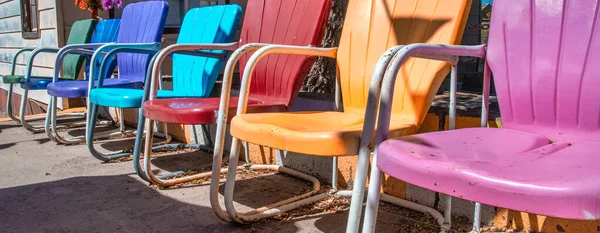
(81, 32)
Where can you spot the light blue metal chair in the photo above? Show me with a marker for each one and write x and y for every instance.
(195, 67)
(194, 71)
(105, 32)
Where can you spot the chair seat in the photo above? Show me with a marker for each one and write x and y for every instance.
(126, 97)
(200, 111)
(79, 88)
(8, 79)
(501, 167)
(327, 133)
(38, 83)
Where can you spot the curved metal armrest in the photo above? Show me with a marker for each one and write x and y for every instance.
(190, 49)
(449, 53)
(82, 49)
(439, 52)
(34, 53)
(14, 60)
(111, 49)
(275, 49)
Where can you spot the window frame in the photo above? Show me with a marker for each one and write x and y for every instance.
(29, 17)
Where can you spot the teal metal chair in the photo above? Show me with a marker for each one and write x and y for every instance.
(81, 33)
(194, 71)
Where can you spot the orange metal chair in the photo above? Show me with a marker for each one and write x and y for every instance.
(370, 28)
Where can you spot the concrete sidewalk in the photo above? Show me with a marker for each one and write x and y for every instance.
(53, 188)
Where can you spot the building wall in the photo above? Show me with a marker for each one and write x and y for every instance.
(11, 41)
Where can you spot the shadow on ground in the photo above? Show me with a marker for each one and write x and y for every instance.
(105, 204)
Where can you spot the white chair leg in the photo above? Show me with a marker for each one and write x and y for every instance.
(477, 218)
(373, 197)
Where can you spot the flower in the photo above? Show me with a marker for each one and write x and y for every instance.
(108, 4)
(91, 5)
(81, 4)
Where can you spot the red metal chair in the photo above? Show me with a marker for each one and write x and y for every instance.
(277, 81)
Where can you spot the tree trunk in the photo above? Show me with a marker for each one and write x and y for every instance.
(321, 78)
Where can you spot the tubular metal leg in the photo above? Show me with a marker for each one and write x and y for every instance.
(121, 121)
(207, 135)
(138, 145)
(273, 209)
(374, 195)
(51, 129)
(358, 190)
(477, 218)
(145, 170)
(49, 119)
(137, 165)
(9, 111)
(334, 173)
(90, 136)
(247, 152)
(41, 128)
(447, 213)
(22, 111)
(279, 154)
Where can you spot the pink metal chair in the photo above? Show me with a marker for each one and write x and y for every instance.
(544, 57)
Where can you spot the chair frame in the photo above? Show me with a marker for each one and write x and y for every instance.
(282, 206)
(50, 123)
(109, 50)
(449, 53)
(150, 92)
(9, 111)
(22, 119)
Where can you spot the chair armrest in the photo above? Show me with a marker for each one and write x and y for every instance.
(81, 49)
(14, 61)
(439, 52)
(152, 76)
(34, 53)
(275, 49)
(203, 50)
(111, 49)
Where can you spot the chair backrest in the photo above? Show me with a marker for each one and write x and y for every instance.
(544, 57)
(81, 33)
(372, 27)
(106, 31)
(278, 78)
(196, 76)
(141, 22)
